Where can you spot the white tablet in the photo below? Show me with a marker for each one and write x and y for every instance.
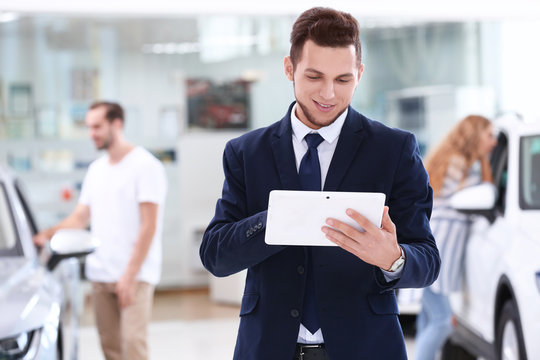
(296, 217)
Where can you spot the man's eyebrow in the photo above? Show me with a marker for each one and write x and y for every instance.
(321, 73)
(314, 71)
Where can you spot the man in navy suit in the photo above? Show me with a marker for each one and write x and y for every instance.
(351, 286)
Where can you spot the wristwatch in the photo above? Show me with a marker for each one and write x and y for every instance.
(398, 264)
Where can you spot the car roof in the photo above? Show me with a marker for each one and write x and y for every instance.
(517, 125)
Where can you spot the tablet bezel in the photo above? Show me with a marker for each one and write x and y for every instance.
(296, 217)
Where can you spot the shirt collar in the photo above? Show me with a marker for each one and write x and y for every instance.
(329, 133)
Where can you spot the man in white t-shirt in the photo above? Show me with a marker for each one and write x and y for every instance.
(122, 200)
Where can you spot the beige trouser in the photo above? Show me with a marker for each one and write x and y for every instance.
(123, 331)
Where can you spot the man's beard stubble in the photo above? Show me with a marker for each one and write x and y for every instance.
(311, 119)
(107, 142)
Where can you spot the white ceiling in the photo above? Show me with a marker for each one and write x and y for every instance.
(410, 9)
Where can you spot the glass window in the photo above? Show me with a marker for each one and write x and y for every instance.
(530, 172)
(29, 217)
(178, 73)
(8, 234)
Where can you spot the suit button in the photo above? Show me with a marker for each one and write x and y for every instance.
(259, 225)
(295, 313)
(300, 269)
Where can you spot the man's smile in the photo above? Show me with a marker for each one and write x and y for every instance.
(323, 107)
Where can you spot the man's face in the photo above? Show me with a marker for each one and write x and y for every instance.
(324, 82)
(100, 129)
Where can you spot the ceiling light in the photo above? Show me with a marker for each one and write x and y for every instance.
(8, 16)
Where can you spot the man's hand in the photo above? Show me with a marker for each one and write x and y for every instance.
(127, 284)
(376, 246)
(125, 290)
(78, 219)
(40, 239)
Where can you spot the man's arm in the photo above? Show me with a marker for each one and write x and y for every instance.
(410, 203)
(78, 219)
(125, 287)
(234, 239)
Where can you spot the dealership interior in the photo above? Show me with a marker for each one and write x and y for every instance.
(193, 76)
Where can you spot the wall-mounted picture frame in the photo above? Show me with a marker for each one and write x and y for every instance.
(218, 105)
(20, 100)
(84, 84)
(169, 122)
(77, 127)
(47, 122)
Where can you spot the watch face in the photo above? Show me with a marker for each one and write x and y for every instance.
(397, 264)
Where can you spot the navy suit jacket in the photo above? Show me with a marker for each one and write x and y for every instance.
(357, 308)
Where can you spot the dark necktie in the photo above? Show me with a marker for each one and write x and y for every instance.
(310, 179)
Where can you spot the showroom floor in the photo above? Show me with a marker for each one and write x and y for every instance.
(183, 323)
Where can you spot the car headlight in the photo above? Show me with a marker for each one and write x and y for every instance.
(18, 347)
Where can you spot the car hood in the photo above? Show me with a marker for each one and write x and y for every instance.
(29, 296)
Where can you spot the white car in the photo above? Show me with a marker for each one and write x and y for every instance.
(498, 313)
(38, 292)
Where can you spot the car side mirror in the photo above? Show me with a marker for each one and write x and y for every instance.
(67, 243)
(478, 199)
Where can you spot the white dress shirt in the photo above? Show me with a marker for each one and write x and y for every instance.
(326, 149)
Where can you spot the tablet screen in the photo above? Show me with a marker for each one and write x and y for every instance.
(296, 217)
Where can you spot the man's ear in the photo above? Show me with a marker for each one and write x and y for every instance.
(118, 124)
(360, 71)
(289, 69)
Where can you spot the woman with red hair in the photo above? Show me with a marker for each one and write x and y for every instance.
(461, 159)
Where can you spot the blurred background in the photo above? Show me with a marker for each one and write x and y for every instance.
(192, 75)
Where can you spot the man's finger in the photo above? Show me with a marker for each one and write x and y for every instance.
(123, 299)
(341, 239)
(387, 223)
(344, 228)
(362, 221)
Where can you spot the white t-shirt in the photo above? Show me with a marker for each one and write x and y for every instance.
(113, 192)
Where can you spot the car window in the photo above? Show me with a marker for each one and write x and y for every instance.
(529, 172)
(20, 189)
(8, 232)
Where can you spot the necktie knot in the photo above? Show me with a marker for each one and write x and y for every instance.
(313, 140)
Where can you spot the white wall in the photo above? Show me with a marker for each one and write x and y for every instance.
(520, 72)
(441, 10)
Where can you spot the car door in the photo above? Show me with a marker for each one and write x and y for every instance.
(67, 274)
(488, 241)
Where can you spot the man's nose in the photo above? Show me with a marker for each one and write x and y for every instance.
(327, 90)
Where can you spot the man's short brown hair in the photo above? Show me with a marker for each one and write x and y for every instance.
(325, 27)
(113, 110)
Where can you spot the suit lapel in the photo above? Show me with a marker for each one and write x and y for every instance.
(284, 154)
(350, 138)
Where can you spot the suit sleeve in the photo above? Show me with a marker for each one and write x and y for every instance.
(410, 204)
(234, 239)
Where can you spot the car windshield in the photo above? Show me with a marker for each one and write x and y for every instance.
(8, 234)
(530, 172)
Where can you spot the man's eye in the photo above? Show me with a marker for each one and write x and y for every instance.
(343, 81)
(313, 77)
